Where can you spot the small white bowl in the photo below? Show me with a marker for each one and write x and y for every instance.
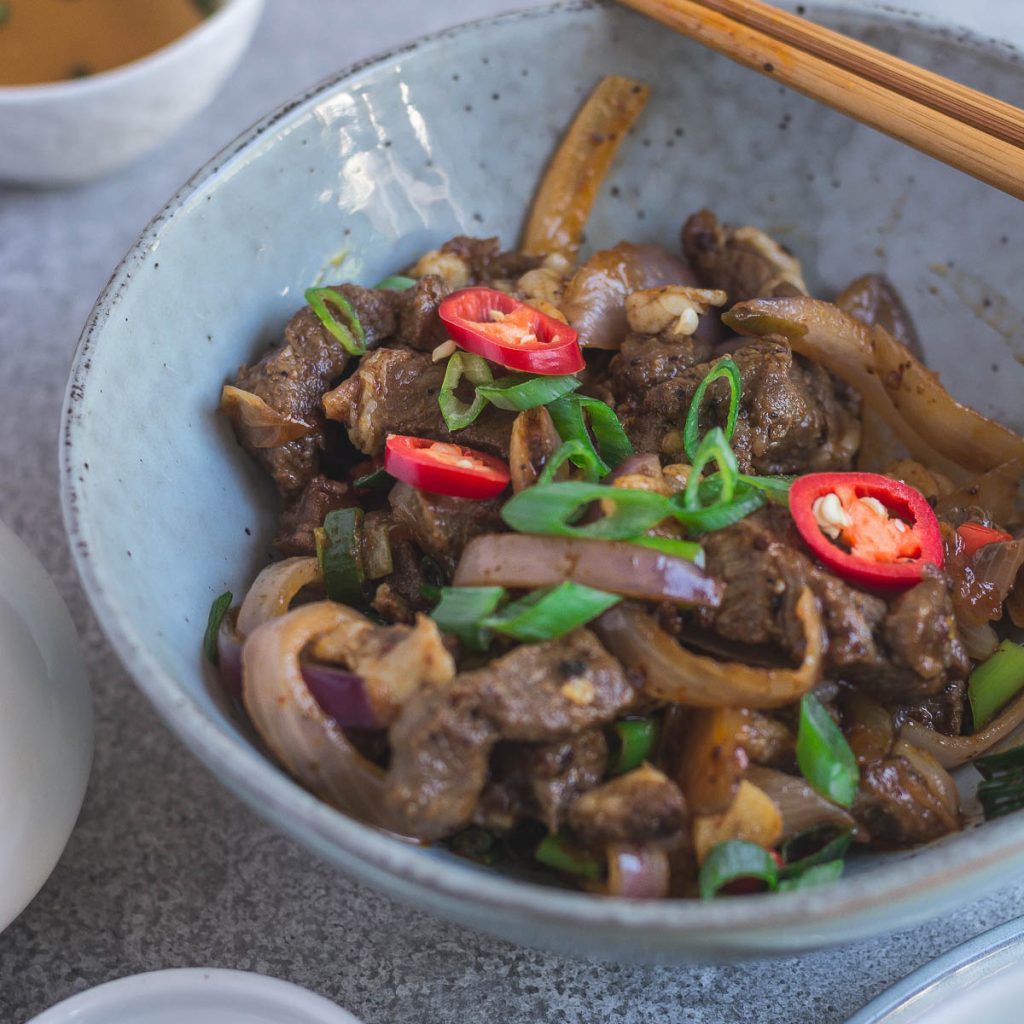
(67, 132)
(45, 726)
(200, 994)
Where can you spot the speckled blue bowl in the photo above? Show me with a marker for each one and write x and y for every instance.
(450, 135)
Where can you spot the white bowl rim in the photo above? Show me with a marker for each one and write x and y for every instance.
(16, 95)
(274, 795)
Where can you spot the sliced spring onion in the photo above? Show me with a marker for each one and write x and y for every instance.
(728, 370)
(634, 741)
(719, 514)
(580, 454)
(732, 860)
(458, 414)
(688, 549)
(1002, 792)
(351, 336)
(714, 448)
(571, 414)
(824, 756)
(552, 508)
(342, 558)
(551, 613)
(995, 682)
(774, 488)
(375, 481)
(818, 874)
(218, 610)
(479, 845)
(396, 283)
(834, 849)
(521, 391)
(562, 854)
(462, 611)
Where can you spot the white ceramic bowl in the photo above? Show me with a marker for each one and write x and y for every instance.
(45, 726)
(394, 156)
(66, 132)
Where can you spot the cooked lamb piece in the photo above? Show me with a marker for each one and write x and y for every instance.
(897, 807)
(900, 652)
(793, 418)
(645, 360)
(443, 526)
(639, 807)
(943, 712)
(540, 780)
(419, 325)
(743, 261)
(442, 741)
(394, 391)
(400, 595)
(306, 513)
(486, 262)
(292, 379)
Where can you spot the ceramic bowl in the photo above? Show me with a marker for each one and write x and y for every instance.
(392, 157)
(67, 132)
(45, 726)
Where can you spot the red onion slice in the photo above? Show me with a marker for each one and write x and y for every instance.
(342, 695)
(638, 872)
(229, 655)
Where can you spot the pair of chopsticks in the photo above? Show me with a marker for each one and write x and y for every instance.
(964, 128)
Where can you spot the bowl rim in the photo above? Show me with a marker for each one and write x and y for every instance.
(16, 95)
(268, 790)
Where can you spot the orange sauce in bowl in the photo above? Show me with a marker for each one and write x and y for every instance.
(53, 40)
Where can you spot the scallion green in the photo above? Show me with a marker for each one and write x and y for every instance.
(351, 336)
(728, 370)
(834, 849)
(634, 740)
(342, 558)
(580, 455)
(521, 391)
(396, 283)
(218, 610)
(374, 481)
(609, 443)
(462, 611)
(995, 682)
(818, 874)
(562, 854)
(1002, 792)
(458, 414)
(732, 860)
(714, 448)
(551, 613)
(688, 549)
(824, 756)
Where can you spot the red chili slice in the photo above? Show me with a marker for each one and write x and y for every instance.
(506, 331)
(974, 536)
(884, 552)
(443, 468)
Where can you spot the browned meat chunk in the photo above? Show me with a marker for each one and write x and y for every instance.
(443, 526)
(300, 518)
(792, 417)
(540, 780)
(441, 743)
(645, 360)
(943, 712)
(897, 806)
(419, 325)
(635, 808)
(394, 391)
(743, 261)
(292, 379)
(485, 261)
(399, 595)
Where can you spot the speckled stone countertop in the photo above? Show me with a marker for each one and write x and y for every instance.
(166, 868)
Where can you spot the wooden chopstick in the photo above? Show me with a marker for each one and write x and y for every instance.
(1003, 120)
(965, 129)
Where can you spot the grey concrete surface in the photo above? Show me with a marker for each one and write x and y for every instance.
(166, 868)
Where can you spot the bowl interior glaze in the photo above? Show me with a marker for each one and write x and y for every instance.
(358, 178)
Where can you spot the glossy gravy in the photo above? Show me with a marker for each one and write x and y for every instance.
(52, 40)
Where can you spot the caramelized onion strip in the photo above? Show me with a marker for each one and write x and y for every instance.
(672, 673)
(954, 751)
(273, 591)
(264, 426)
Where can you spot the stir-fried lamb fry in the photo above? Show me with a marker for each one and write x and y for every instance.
(594, 563)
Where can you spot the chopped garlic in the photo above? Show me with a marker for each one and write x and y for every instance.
(443, 351)
(579, 690)
(446, 265)
(653, 310)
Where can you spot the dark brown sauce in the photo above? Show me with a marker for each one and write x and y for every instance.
(52, 40)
